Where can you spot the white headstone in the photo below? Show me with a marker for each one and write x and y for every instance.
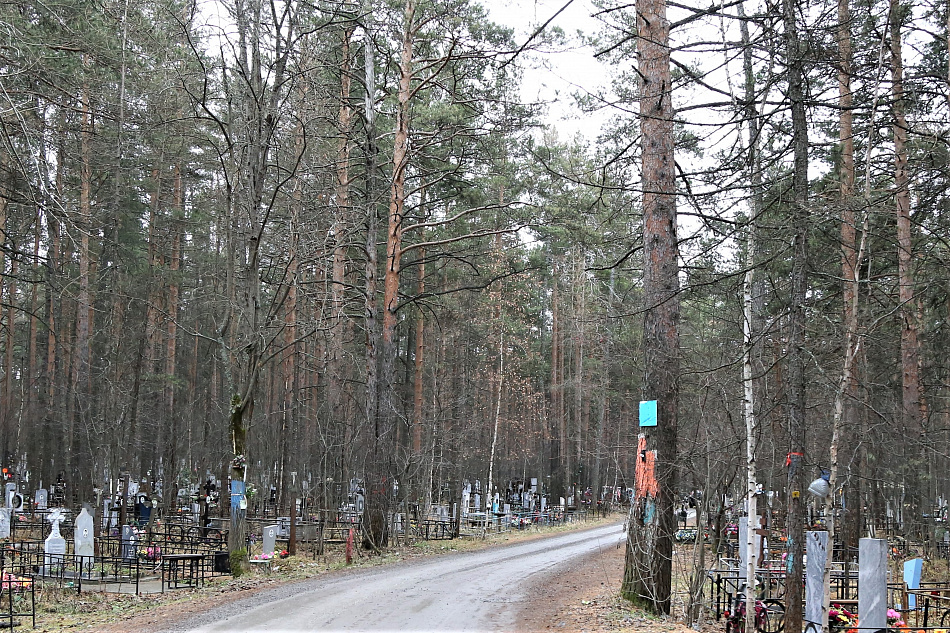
(55, 546)
(270, 538)
(9, 491)
(872, 583)
(4, 522)
(84, 537)
(41, 498)
(816, 548)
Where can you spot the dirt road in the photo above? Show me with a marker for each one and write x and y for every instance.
(474, 591)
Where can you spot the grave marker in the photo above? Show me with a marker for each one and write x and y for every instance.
(84, 537)
(129, 543)
(4, 522)
(816, 549)
(41, 499)
(270, 538)
(872, 583)
(110, 516)
(912, 571)
(55, 545)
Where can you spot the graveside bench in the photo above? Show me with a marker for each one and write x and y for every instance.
(180, 570)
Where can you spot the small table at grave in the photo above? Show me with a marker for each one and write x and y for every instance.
(182, 570)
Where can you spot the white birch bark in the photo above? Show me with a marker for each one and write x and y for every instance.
(750, 429)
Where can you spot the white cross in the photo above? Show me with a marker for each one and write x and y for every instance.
(55, 516)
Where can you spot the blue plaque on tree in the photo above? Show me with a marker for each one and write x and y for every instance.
(648, 413)
(237, 493)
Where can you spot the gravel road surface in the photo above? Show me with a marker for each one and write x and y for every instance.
(470, 591)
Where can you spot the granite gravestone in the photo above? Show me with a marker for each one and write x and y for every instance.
(816, 549)
(270, 538)
(129, 543)
(84, 540)
(41, 499)
(872, 583)
(4, 522)
(143, 510)
(55, 545)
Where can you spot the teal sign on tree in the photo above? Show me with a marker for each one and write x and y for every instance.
(648, 413)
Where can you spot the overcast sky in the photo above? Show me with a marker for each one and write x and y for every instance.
(553, 76)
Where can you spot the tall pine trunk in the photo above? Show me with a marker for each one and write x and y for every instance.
(370, 272)
(910, 346)
(341, 227)
(798, 219)
(661, 361)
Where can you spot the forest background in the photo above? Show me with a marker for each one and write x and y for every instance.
(260, 237)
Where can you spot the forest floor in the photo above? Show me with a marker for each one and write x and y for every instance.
(584, 600)
(587, 600)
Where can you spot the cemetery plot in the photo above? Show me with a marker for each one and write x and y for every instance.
(127, 543)
(871, 588)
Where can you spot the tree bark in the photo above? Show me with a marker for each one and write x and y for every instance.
(418, 366)
(562, 463)
(580, 316)
(910, 347)
(796, 339)
(849, 261)
(374, 516)
(6, 393)
(661, 301)
(341, 227)
(171, 337)
(80, 369)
